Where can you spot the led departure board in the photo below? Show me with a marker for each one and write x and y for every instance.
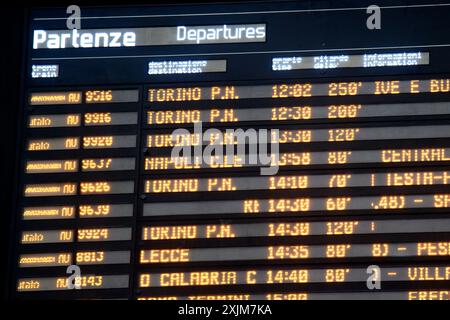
(290, 150)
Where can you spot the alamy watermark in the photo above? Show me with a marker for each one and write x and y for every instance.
(374, 279)
(74, 280)
(213, 147)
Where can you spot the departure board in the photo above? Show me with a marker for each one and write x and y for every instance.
(294, 150)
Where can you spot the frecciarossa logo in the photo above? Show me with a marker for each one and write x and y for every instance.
(132, 37)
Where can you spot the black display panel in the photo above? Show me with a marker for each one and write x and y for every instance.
(277, 151)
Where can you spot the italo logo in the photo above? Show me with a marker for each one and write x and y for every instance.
(132, 37)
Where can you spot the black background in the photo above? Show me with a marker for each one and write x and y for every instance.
(12, 26)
